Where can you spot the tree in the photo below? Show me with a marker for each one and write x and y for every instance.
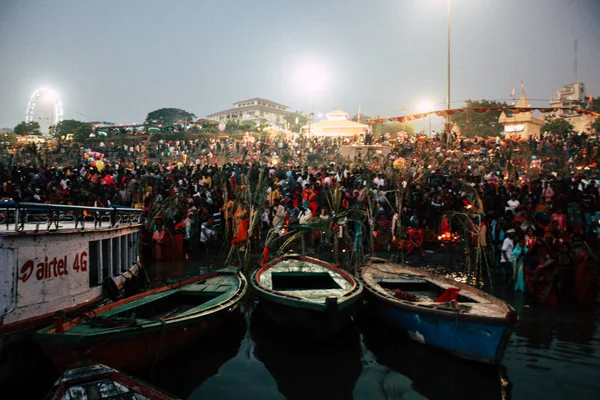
(168, 116)
(291, 119)
(235, 126)
(26, 128)
(7, 137)
(484, 124)
(79, 130)
(557, 125)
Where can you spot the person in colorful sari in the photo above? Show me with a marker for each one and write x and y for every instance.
(519, 253)
(161, 241)
(241, 222)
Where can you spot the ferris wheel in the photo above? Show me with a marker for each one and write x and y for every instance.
(44, 107)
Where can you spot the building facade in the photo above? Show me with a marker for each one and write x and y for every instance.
(523, 124)
(573, 96)
(337, 123)
(255, 109)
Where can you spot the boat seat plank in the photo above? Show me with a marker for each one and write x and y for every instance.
(211, 288)
(136, 303)
(217, 280)
(212, 302)
(316, 296)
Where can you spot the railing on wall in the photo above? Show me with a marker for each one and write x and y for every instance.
(20, 217)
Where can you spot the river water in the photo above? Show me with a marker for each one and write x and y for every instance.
(552, 354)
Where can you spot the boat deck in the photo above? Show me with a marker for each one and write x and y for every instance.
(476, 304)
(181, 302)
(294, 267)
(23, 218)
(43, 227)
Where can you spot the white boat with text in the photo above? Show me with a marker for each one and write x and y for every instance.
(59, 258)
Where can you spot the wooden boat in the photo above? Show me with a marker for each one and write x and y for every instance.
(98, 381)
(306, 294)
(476, 326)
(137, 331)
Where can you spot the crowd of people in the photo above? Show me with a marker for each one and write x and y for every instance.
(532, 205)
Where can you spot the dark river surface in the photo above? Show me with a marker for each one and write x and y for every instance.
(552, 354)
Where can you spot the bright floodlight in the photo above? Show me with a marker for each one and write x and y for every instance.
(311, 76)
(425, 106)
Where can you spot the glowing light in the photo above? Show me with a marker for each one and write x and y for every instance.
(425, 106)
(44, 107)
(311, 76)
(50, 96)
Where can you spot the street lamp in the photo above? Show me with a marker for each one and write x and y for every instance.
(426, 107)
(448, 118)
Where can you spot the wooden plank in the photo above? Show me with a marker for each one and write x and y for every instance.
(211, 288)
(217, 280)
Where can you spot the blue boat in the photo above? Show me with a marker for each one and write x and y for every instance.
(472, 325)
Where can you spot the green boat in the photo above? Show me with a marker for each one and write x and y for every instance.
(136, 332)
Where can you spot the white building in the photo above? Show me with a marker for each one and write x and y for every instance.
(337, 123)
(255, 109)
(573, 96)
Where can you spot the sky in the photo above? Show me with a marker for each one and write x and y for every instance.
(118, 60)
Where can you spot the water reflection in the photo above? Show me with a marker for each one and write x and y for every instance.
(187, 370)
(434, 374)
(541, 325)
(306, 369)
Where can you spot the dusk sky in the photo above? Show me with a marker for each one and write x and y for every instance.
(118, 60)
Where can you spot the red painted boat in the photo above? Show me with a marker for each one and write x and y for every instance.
(98, 381)
(138, 331)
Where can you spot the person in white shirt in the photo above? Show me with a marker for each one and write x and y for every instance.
(379, 181)
(506, 257)
(305, 214)
(513, 203)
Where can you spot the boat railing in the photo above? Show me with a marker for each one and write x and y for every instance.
(20, 217)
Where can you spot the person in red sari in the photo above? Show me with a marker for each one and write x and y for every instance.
(415, 240)
(541, 271)
(587, 280)
(178, 239)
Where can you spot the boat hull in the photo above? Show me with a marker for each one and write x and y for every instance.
(469, 339)
(140, 343)
(309, 322)
(131, 352)
(87, 379)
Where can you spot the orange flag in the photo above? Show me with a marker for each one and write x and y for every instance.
(512, 94)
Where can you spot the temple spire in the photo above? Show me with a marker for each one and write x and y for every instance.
(523, 102)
